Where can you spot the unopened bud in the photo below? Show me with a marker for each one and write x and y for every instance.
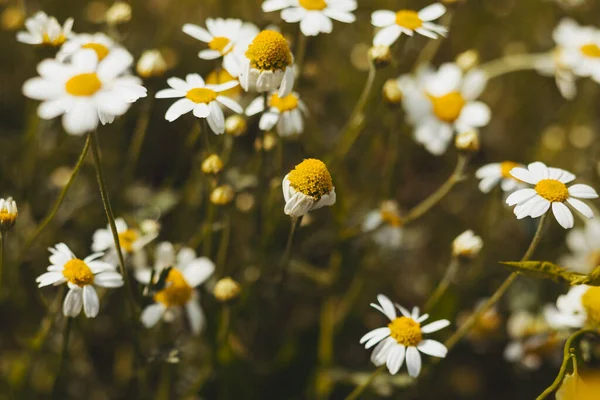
(8, 214)
(226, 289)
(151, 64)
(467, 59)
(212, 165)
(468, 141)
(380, 56)
(222, 195)
(12, 18)
(118, 13)
(391, 92)
(467, 245)
(236, 125)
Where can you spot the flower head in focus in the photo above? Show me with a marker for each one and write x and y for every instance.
(578, 308)
(494, 173)
(314, 15)
(467, 245)
(284, 113)
(308, 187)
(45, 30)
(402, 338)
(584, 244)
(84, 90)
(201, 99)
(393, 24)
(550, 191)
(8, 214)
(386, 224)
(81, 276)
(100, 43)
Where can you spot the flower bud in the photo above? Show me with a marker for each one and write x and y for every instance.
(118, 13)
(222, 195)
(468, 141)
(467, 245)
(212, 165)
(391, 92)
(151, 64)
(8, 214)
(226, 289)
(467, 59)
(380, 56)
(236, 125)
(12, 18)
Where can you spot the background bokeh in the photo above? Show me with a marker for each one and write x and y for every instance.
(303, 343)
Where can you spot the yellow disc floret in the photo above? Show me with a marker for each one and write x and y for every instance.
(591, 50)
(100, 49)
(127, 239)
(201, 95)
(57, 41)
(83, 85)
(552, 190)
(219, 44)
(506, 167)
(448, 107)
(177, 291)
(406, 331)
(311, 178)
(313, 4)
(219, 76)
(591, 302)
(408, 19)
(287, 103)
(269, 51)
(78, 273)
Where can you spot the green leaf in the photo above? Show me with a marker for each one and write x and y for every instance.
(547, 270)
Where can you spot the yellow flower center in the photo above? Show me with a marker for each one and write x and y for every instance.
(100, 49)
(408, 19)
(78, 273)
(313, 4)
(591, 302)
(7, 217)
(219, 76)
(552, 190)
(506, 167)
(127, 239)
(269, 51)
(391, 218)
(288, 103)
(57, 41)
(311, 178)
(591, 50)
(201, 95)
(83, 85)
(448, 107)
(219, 44)
(406, 331)
(177, 291)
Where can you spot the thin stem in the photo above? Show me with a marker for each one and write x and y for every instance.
(208, 230)
(443, 286)
(512, 63)
(224, 326)
(63, 355)
(424, 206)
(301, 44)
(285, 260)
(224, 245)
(138, 138)
(2, 240)
(360, 389)
(466, 327)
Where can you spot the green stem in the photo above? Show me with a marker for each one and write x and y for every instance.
(443, 286)
(63, 355)
(224, 246)
(285, 260)
(512, 63)
(208, 230)
(300, 52)
(360, 389)
(2, 240)
(138, 138)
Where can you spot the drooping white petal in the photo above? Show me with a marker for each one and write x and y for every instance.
(413, 361)
(73, 302)
(91, 303)
(195, 315)
(563, 215)
(395, 358)
(432, 348)
(152, 314)
(581, 207)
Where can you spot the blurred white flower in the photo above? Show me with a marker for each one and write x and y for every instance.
(308, 187)
(386, 224)
(394, 24)
(84, 90)
(285, 113)
(43, 29)
(584, 244)
(530, 337)
(131, 240)
(99, 42)
(314, 15)
(80, 276)
(553, 64)
(402, 338)
(569, 311)
(8, 214)
(580, 48)
(151, 64)
(201, 99)
(550, 191)
(467, 245)
(494, 173)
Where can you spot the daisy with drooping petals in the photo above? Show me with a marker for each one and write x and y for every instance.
(99, 42)
(187, 272)
(268, 65)
(308, 187)
(578, 308)
(227, 38)
(202, 99)
(393, 24)
(314, 15)
(584, 244)
(42, 29)
(494, 173)
(85, 91)
(550, 191)
(579, 48)
(403, 338)
(285, 113)
(80, 276)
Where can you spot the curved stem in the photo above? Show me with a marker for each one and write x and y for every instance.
(512, 63)
(285, 260)
(360, 389)
(444, 284)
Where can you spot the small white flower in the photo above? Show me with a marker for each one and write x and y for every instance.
(85, 91)
(550, 191)
(227, 38)
(579, 48)
(308, 187)
(202, 99)
(314, 15)
(553, 64)
(467, 245)
(402, 338)
(131, 240)
(80, 276)
(8, 214)
(285, 113)
(151, 64)
(584, 244)
(42, 29)
(569, 311)
(188, 271)
(529, 334)
(492, 174)
(99, 42)
(386, 224)
(393, 24)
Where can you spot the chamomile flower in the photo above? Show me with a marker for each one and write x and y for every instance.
(8, 214)
(386, 224)
(580, 48)
(529, 336)
(81, 276)
(99, 42)
(394, 24)
(85, 91)
(550, 190)
(308, 187)
(554, 64)
(285, 113)
(201, 99)
(584, 244)
(402, 338)
(314, 15)
(220, 76)
(467, 245)
(187, 272)
(45, 30)
(571, 309)
(498, 173)
(227, 38)
(131, 240)
(268, 65)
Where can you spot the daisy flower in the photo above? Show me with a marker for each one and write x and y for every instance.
(467, 245)
(442, 102)
(131, 240)
(386, 224)
(202, 99)
(393, 24)
(85, 91)
(8, 214)
(554, 64)
(308, 187)
(220, 76)
(314, 15)
(80, 276)
(187, 272)
(268, 65)
(580, 48)
(584, 244)
(285, 113)
(529, 336)
(99, 42)
(42, 29)
(403, 338)
(498, 173)
(576, 309)
(227, 38)
(550, 191)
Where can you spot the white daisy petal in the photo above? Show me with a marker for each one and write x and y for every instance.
(435, 326)
(383, 18)
(91, 303)
(388, 307)
(73, 303)
(379, 334)
(395, 358)
(581, 207)
(431, 12)
(152, 314)
(432, 348)
(524, 175)
(583, 191)
(413, 361)
(563, 215)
